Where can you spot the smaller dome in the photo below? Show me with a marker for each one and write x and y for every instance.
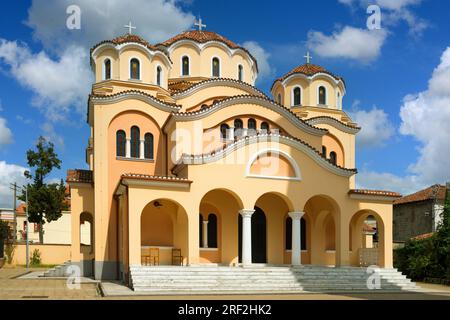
(308, 69)
(129, 38)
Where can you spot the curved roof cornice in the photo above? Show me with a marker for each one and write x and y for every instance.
(250, 99)
(218, 82)
(334, 123)
(134, 94)
(292, 142)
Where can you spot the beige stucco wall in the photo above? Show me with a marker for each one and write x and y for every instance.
(50, 253)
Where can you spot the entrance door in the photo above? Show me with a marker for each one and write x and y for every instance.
(259, 236)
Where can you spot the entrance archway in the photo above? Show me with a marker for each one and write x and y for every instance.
(164, 227)
(259, 237)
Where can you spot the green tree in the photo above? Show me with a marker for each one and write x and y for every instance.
(45, 201)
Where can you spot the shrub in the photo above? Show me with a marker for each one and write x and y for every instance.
(35, 259)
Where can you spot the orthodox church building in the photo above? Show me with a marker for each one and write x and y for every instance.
(191, 164)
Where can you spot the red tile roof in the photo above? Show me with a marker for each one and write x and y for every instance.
(423, 236)
(203, 37)
(307, 69)
(434, 192)
(375, 193)
(83, 176)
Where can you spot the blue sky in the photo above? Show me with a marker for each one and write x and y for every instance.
(397, 78)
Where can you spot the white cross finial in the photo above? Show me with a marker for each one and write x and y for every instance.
(308, 58)
(199, 24)
(129, 27)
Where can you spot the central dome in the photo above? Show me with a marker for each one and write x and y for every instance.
(201, 37)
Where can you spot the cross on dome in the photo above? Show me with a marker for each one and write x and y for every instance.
(308, 58)
(199, 24)
(129, 27)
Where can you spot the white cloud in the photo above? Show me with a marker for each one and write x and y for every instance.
(6, 136)
(361, 45)
(262, 56)
(395, 11)
(156, 20)
(51, 135)
(426, 117)
(58, 84)
(376, 127)
(9, 173)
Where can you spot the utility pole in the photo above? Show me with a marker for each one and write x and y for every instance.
(14, 188)
(26, 210)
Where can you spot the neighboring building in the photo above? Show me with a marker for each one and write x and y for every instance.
(419, 213)
(185, 152)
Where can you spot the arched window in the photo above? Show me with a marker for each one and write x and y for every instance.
(204, 106)
(322, 95)
(264, 127)
(240, 73)
(120, 143)
(297, 96)
(223, 130)
(158, 75)
(148, 146)
(185, 66)
(251, 125)
(135, 69)
(324, 151)
(107, 69)
(333, 157)
(212, 231)
(279, 98)
(215, 67)
(238, 126)
(135, 142)
(288, 243)
(200, 221)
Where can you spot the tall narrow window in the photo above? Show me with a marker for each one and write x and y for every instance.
(148, 146)
(279, 98)
(215, 67)
(322, 95)
(185, 66)
(240, 73)
(251, 124)
(238, 126)
(158, 75)
(324, 151)
(297, 96)
(135, 142)
(120, 143)
(333, 157)
(107, 69)
(264, 127)
(212, 231)
(223, 130)
(135, 69)
(338, 103)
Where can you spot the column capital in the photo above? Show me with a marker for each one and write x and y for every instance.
(296, 215)
(246, 213)
(205, 221)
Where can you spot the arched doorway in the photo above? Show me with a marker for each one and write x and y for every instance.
(164, 227)
(259, 237)
(86, 236)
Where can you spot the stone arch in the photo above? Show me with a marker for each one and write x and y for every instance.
(87, 242)
(323, 213)
(225, 204)
(164, 226)
(363, 254)
(282, 165)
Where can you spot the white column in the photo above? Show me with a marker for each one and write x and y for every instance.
(246, 235)
(205, 233)
(230, 134)
(141, 149)
(296, 252)
(128, 148)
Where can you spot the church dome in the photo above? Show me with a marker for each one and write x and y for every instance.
(309, 70)
(203, 36)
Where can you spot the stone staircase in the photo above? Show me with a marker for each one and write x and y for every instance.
(262, 280)
(59, 271)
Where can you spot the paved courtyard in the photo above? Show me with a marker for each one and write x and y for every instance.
(16, 284)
